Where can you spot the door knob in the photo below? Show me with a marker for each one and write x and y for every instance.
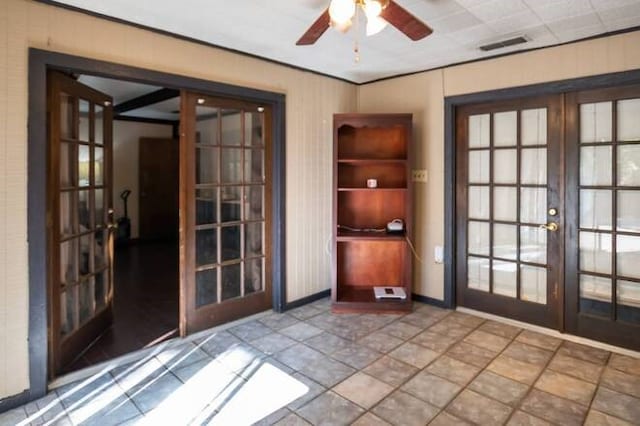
(551, 226)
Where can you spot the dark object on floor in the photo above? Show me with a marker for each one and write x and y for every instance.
(124, 223)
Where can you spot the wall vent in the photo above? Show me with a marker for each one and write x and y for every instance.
(504, 43)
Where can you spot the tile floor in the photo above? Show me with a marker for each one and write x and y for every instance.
(309, 366)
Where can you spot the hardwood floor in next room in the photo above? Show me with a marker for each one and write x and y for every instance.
(145, 302)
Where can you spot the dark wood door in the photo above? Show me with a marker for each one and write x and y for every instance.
(158, 201)
(80, 237)
(509, 209)
(225, 218)
(603, 221)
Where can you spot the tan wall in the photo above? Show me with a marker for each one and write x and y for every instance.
(423, 95)
(311, 102)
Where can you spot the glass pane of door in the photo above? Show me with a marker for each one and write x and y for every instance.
(609, 219)
(81, 197)
(229, 210)
(507, 235)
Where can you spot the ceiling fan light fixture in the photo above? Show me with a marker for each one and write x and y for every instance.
(372, 8)
(375, 24)
(341, 11)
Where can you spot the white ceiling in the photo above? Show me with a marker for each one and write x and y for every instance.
(270, 29)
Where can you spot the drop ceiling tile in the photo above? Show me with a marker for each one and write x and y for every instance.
(515, 23)
(623, 12)
(611, 4)
(553, 10)
(467, 4)
(497, 9)
(570, 34)
(431, 10)
(455, 22)
(621, 24)
(474, 36)
(575, 23)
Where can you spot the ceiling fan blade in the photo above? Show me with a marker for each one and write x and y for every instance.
(411, 26)
(315, 30)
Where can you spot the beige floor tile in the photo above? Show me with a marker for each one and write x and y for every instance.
(401, 330)
(434, 341)
(596, 418)
(466, 319)
(432, 389)
(514, 369)
(413, 354)
(566, 387)
(330, 408)
(520, 418)
(617, 404)
(487, 340)
(293, 420)
(479, 409)
(381, 342)
(400, 408)
(538, 339)
(625, 363)
(500, 329)
(391, 371)
(453, 370)
(472, 354)
(527, 353)
(450, 327)
(498, 387)
(363, 389)
(369, 419)
(575, 367)
(621, 382)
(585, 353)
(446, 419)
(554, 409)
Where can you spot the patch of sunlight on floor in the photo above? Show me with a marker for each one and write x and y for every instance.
(266, 391)
(216, 392)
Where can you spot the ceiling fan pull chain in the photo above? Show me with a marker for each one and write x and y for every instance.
(356, 32)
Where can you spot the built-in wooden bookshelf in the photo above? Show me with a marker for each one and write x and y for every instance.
(365, 255)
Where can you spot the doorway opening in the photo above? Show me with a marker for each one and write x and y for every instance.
(94, 207)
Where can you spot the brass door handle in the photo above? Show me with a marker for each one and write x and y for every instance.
(551, 226)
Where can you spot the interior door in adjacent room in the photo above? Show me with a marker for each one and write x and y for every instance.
(80, 217)
(225, 219)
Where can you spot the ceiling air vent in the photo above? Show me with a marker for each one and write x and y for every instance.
(504, 43)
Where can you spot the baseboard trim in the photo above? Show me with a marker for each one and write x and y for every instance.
(430, 301)
(306, 300)
(15, 401)
(553, 333)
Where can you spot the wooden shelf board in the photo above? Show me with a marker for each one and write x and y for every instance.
(344, 235)
(371, 189)
(372, 160)
(362, 299)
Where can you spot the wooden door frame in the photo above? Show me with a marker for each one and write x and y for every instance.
(40, 61)
(451, 103)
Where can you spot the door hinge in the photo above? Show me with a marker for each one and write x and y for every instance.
(555, 290)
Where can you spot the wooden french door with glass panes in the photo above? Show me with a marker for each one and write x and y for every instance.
(79, 236)
(225, 210)
(509, 208)
(603, 196)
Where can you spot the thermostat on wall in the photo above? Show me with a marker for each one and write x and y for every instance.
(389, 293)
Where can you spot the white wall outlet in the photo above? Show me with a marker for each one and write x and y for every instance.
(419, 175)
(438, 254)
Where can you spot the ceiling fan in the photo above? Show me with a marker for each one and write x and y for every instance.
(340, 14)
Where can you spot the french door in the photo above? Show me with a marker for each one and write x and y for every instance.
(548, 211)
(225, 209)
(603, 188)
(80, 237)
(509, 208)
